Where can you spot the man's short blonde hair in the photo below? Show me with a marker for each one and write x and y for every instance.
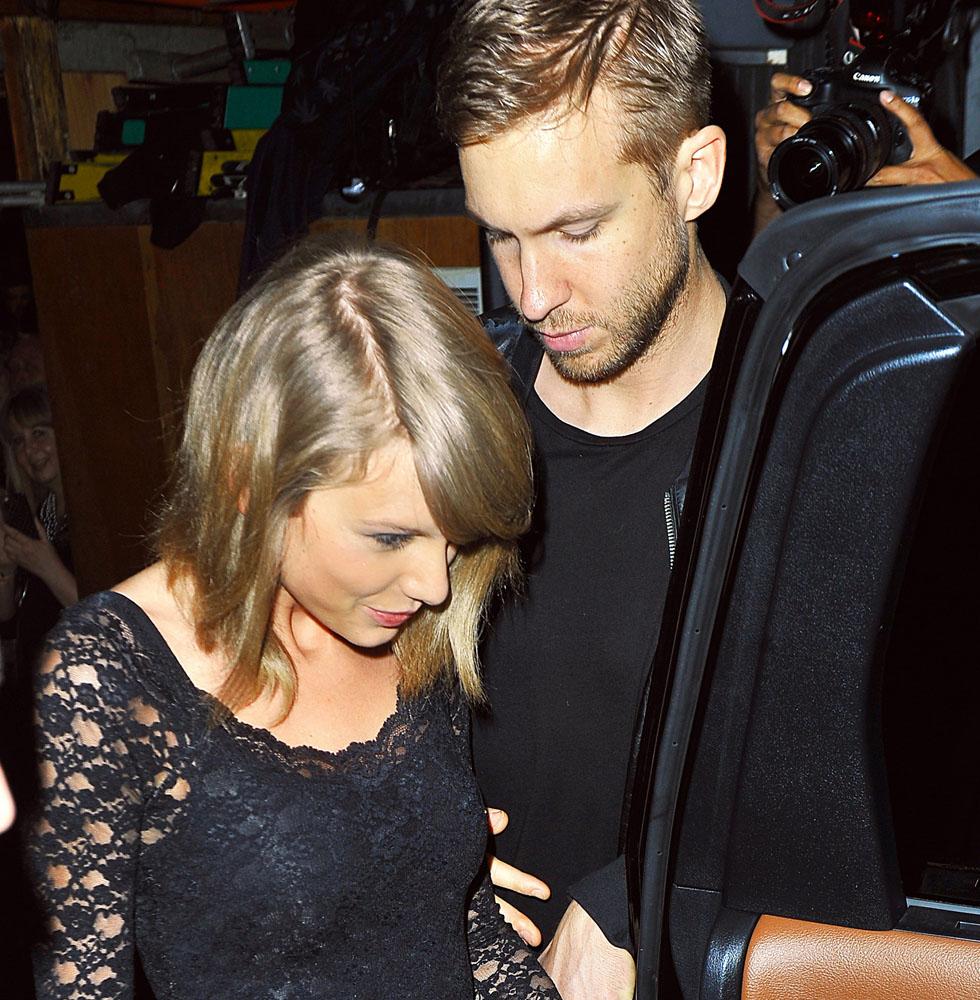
(509, 60)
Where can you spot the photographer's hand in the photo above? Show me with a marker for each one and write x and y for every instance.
(930, 163)
(777, 121)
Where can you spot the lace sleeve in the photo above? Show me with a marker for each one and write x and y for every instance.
(93, 728)
(504, 967)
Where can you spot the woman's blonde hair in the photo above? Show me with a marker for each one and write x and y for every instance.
(28, 407)
(339, 347)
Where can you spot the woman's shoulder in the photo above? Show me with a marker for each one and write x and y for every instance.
(109, 637)
(104, 619)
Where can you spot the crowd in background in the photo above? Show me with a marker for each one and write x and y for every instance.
(36, 575)
(36, 578)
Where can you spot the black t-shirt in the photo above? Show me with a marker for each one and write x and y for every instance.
(565, 661)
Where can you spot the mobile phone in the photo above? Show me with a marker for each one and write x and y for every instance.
(17, 513)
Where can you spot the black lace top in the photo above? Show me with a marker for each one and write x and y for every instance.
(238, 866)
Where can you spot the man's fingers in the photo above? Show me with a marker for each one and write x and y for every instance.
(505, 876)
(521, 923)
(498, 820)
(583, 964)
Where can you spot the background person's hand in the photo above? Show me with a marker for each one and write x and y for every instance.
(36, 555)
(582, 963)
(39, 556)
(8, 564)
(930, 163)
(505, 876)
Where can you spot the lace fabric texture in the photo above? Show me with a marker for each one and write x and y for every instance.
(238, 866)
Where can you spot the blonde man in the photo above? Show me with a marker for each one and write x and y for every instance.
(587, 156)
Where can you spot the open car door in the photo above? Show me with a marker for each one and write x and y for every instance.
(804, 816)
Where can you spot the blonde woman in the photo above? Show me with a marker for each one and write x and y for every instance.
(254, 753)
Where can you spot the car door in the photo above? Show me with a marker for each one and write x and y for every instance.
(804, 812)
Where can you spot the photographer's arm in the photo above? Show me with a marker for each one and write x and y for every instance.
(780, 119)
(930, 163)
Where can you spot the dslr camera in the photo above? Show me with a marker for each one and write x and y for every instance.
(851, 136)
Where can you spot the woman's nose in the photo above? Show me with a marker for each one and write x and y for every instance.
(427, 580)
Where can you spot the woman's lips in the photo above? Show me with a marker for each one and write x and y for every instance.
(390, 619)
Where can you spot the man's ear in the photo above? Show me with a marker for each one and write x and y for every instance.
(700, 167)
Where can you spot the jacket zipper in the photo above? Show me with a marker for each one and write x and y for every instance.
(670, 512)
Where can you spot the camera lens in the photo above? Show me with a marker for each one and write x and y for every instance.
(837, 151)
(806, 172)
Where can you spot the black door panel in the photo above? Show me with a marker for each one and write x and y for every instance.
(760, 785)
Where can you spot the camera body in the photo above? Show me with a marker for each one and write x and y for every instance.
(861, 83)
(851, 136)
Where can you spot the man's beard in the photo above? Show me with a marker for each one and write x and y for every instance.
(641, 316)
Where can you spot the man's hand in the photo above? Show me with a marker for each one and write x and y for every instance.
(929, 163)
(583, 964)
(505, 876)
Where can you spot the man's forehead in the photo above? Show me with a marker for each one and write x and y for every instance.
(536, 178)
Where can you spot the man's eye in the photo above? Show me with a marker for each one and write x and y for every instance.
(581, 237)
(494, 236)
(392, 541)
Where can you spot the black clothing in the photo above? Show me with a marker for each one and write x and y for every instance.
(566, 661)
(358, 105)
(38, 609)
(238, 866)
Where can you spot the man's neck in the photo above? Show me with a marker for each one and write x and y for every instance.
(656, 382)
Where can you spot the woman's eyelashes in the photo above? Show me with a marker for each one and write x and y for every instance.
(391, 540)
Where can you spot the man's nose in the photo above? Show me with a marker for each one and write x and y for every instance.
(543, 289)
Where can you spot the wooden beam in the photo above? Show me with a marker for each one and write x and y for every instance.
(116, 10)
(32, 74)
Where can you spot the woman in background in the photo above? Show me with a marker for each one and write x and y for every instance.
(36, 578)
(255, 761)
